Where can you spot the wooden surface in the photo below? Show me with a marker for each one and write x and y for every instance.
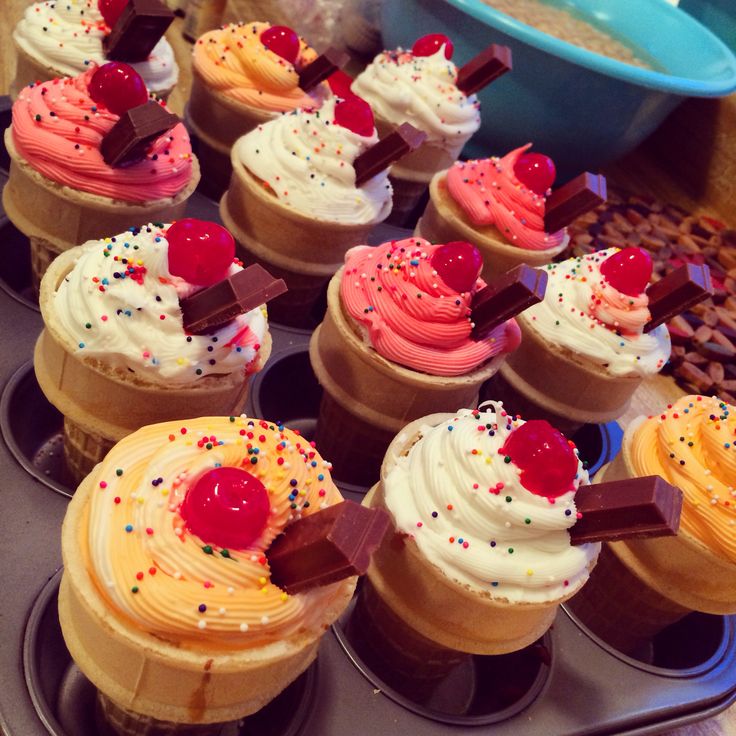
(701, 178)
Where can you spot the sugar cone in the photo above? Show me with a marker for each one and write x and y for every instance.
(56, 217)
(306, 252)
(444, 221)
(368, 399)
(552, 380)
(102, 404)
(146, 674)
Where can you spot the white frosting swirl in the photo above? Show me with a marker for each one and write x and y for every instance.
(499, 539)
(420, 90)
(581, 311)
(307, 161)
(134, 321)
(67, 36)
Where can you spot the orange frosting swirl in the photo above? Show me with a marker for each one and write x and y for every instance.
(157, 574)
(233, 61)
(693, 446)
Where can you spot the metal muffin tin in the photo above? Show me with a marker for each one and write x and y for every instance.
(568, 684)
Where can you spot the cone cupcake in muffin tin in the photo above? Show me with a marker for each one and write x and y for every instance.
(116, 354)
(90, 157)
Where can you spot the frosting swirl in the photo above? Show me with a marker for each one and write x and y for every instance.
(58, 128)
(234, 61)
(420, 90)
(692, 445)
(468, 513)
(411, 316)
(490, 193)
(306, 160)
(120, 304)
(157, 574)
(67, 36)
(583, 312)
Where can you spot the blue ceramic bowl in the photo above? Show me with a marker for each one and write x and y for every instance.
(580, 108)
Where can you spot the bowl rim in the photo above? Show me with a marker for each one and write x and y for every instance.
(649, 78)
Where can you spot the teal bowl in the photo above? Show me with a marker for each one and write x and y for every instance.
(718, 15)
(582, 109)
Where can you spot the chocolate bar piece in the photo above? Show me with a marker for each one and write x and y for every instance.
(404, 139)
(228, 298)
(622, 509)
(322, 67)
(515, 291)
(329, 545)
(128, 140)
(482, 69)
(138, 29)
(676, 292)
(573, 199)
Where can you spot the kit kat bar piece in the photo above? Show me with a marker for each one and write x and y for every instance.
(330, 545)
(515, 291)
(679, 290)
(138, 29)
(623, 509)
(404, 139)
(484, 68)
(128, 140)
(573, 199)
(237, 294)
(322, 67)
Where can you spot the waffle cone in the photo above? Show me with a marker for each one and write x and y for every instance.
(444, 221)
(58, 217)
(551, 378)
(102, 404)
(148, 675)
(368, 399)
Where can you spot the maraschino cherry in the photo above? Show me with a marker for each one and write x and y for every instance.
(228, 507)
(535, 171)
(355, 114)
(283, 41)
(111, 10)
(545, 458)
(340, 84)
(199, 251)
(629, 270)
(458, 264)
(118, 87)
(430, 44)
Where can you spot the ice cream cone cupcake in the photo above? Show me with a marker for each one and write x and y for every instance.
(114, 354)
(293, 203)
(62, 191)
(396, 344)
(243, 75)
(423, 87)
(498, 204)
(170, 608)
(644, 585)
(62, 39)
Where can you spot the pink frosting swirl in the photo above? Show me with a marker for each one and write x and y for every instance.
(412, 317)
(58, 129)
(490, 194)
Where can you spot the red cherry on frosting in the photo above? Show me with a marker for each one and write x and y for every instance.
(118, 87)
(431, 44)
(283, 41)
(545, 458)
(628, 270)
(340, 84)
(228, 507)
(111, 10)
(535, 171)
(355, 114)
(199, 251)
(458, 264)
